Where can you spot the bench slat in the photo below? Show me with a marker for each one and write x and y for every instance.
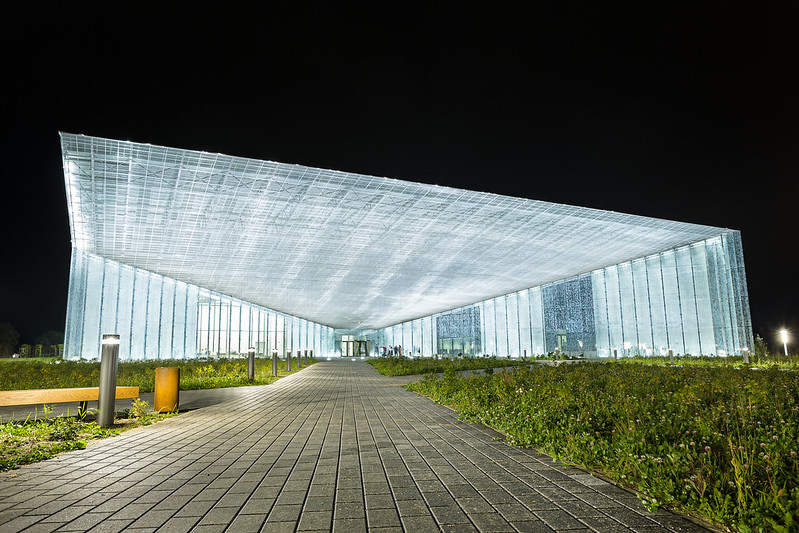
(78, 394)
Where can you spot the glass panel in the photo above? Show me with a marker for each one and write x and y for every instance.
(657, 306)
(671, 295)
(630, 324)
(93, 304)
(525, 334)
(685, 283)
(603, 346)
(702, 295)
(125, 309)
(179, 322)
(643, 316)
(537, 318)
(138, 327)
(167, 337)
(501, 332)
(108, 321)
(512, 324)
(490, 339)
(615, 325)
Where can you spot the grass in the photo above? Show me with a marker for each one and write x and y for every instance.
(22, 374)
(405, 366)
(715, 441)
(766, 361)
(40, 439)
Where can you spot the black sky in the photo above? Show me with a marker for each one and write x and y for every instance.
(680, 112)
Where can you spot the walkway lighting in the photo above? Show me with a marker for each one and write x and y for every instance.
(784, 337)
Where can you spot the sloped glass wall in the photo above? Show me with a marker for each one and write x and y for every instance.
(160, 318)
(690, 300)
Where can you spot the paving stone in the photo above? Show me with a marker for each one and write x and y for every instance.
(176, 524)
(285, 513)
(420, 524)
(195, 508)
(333, 446)
(451, 514)
(248, 523)
(559, 520)
(490, 522)
(43, 527)
(316, 521)
(380, 501)
(153, 519)
(349, 525)
(376, 518)
(353, 510)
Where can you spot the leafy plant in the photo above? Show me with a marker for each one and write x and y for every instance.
(718, 441)
(406, 366)
(21, 374)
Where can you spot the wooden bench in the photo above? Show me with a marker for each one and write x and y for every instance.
(78, 394)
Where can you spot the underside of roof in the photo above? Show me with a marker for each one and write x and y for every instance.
(345, 250)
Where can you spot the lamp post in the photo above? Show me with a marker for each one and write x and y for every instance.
(106, 401)
(251, 364)
(784, 337)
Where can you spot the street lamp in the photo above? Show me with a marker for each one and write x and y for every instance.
(784, 337)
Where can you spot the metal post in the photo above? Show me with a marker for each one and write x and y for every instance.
(106, 400)
(671, 356)
(615, 354)
(274, 363)
(305, 357)
(288, 360)
(299, 362)
(251, 364)
(746, 357)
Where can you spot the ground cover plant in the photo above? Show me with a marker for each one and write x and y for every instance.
(36, 440)
(755, 361)
(24, 374)
(720, 442)
(408, 366)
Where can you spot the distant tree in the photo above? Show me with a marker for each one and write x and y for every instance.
(49, 338)
(9, 337)
(761, 348)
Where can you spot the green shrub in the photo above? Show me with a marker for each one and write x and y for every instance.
(718, 441)
(19, 374)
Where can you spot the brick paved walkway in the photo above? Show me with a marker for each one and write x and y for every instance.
(334, 447)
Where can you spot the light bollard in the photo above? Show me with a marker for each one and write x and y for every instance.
(288, 360)
(671, 357)
(106, 400)
(274, 363)
(251, 364)
(299, 361)
(305, 357)
(615, 354)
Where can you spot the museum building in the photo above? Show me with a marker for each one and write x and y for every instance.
(189, 254)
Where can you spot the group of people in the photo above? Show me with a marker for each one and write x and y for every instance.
(390, 351)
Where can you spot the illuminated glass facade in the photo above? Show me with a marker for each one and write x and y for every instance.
(188, 254)
(690, 300)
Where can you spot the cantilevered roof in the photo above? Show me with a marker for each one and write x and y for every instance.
(342, 249)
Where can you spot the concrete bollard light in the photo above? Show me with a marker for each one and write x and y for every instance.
(106, 400)
(251, 364)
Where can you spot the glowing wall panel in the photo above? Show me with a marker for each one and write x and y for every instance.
(690, 300)
(161, 318)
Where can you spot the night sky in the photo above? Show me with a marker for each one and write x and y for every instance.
(674, 112)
